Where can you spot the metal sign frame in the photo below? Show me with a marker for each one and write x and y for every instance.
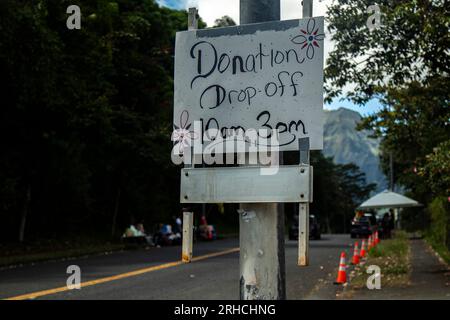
(246, 184)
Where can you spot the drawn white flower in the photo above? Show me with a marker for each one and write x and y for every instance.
(181, 134)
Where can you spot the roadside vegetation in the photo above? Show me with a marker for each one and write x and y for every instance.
(392, 256)
(86, 126)
(46, 250)
(398, 63)
(87, 117)
(439, 231)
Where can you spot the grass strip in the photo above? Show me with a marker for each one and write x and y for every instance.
(392, 256)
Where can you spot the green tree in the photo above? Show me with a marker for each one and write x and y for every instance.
(436, 170)
(338, 190)
(225, 21)
(412, 123)
(410, 44)
(86, 116)
(404, 63)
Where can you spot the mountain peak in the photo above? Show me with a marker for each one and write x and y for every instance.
(347, 145)
(344, 113)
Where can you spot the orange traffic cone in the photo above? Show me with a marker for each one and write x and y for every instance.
(342, 275)
(377, 240)
(370, 246)
(355, 259)
(362, 254)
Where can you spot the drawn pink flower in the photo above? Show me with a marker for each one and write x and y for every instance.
(309, 38)
(181, 134)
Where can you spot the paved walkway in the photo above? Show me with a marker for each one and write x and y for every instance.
(430, 279)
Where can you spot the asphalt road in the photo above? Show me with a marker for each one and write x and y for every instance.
(211, 277)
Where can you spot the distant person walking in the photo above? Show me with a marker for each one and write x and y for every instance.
(391, 221)
(386, 226)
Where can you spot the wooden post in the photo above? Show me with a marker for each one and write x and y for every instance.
(188, 216)
(188, 236)
(303, 212)
(303, 234)
(261, 225)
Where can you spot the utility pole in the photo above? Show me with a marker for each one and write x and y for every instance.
(307, 8)
(391, 172)
(261, 234)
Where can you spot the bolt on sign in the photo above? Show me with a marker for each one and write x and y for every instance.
(265, 76)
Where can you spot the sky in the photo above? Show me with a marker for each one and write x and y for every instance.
(210, 10)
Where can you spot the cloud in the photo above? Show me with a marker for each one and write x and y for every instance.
(292, 9)
(210, 10)
(177, 4)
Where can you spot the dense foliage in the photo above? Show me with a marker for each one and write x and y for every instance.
(410, 44)
(86, 115)
(225, 21)
(439, 231)
(86, 121)
(338, 190)
(404, 62)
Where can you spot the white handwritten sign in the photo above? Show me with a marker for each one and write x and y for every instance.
(259, 76)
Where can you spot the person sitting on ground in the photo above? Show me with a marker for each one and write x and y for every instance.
(137, 232)
(206, 232)
(142, 233)
(177, 228)
(131, 231)
(164, 235)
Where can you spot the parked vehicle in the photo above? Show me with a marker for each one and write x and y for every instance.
(363, 226)
(314, 228)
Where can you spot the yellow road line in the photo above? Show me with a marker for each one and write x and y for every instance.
(37, 294)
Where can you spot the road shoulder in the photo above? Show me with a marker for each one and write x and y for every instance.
(429, 279)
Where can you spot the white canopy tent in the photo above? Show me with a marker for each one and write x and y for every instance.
(388, 199)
